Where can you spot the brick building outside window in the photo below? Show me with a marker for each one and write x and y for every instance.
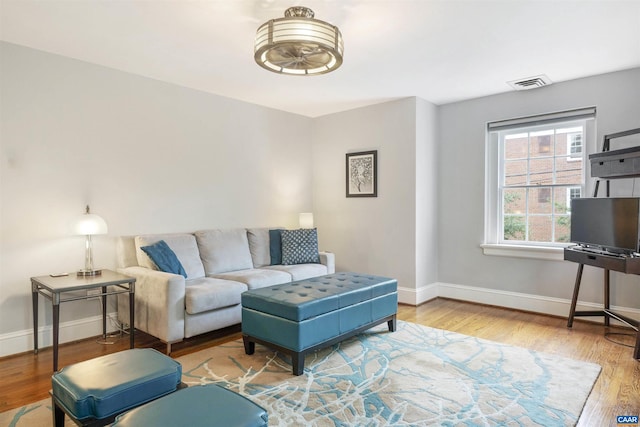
(542, 169)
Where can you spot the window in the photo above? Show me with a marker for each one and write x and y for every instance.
(572, 193)
(535, 166)
(574, 146)
(544, 143)
(544, 195)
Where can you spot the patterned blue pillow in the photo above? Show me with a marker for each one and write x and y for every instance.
(162, 256)
(300, 246)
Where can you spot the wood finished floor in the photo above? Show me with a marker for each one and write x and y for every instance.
(26, 378)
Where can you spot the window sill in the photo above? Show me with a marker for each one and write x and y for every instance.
(548, 253)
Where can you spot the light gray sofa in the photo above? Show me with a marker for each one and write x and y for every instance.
(220, 265)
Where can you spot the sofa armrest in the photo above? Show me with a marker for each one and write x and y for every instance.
(328, 259)
(159, 300)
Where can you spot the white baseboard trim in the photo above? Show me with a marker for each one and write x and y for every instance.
(22, 341)
(519, 301)
(413, 296)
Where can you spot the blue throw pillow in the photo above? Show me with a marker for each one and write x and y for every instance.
(163, 257)
(300, 246)
(275, 246)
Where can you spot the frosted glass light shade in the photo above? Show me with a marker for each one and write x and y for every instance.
(298, 44)
(90, 224)
(306, 220)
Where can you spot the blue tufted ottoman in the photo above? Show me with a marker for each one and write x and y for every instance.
(93, 392)
(304, 316)
(196, 406)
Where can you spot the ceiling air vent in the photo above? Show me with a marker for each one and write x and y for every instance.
(530, 82)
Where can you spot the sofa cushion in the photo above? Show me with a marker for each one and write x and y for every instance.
(164, 258)
(209, 293)
(259, 246)
(275, 246)
(300, 246)
(257, 277)
(301, 271)
(183, 245)
(224, 250)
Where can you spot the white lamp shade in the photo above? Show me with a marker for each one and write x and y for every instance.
(90, 224)
(306, 220)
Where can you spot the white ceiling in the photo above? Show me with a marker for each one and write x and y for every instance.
(441, 51)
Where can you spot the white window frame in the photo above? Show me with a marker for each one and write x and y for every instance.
(493, 245)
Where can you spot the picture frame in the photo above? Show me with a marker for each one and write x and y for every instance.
(362, 174)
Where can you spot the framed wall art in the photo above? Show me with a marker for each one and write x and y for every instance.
(362, 174)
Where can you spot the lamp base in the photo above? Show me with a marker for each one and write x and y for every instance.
(85, 273)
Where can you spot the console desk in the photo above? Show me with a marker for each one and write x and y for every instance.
(623, 264)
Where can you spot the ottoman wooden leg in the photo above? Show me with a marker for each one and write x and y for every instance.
(297, 360)
(58, 414)
(392, 324)
(249, 346)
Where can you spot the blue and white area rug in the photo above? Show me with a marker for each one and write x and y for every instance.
(416, 376)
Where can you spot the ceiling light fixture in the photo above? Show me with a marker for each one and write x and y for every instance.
(298, 44)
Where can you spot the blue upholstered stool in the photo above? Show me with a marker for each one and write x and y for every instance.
(196, 406)
(93, 392)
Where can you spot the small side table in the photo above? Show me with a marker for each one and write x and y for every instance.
(53, 288)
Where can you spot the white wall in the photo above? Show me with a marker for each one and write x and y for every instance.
(147, 156)
(461, 183)
(384, 235)
(153, 157)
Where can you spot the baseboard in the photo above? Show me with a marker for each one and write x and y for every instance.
(515, 300)
(22, 341)
(414, 296)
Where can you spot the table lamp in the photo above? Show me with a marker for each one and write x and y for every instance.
(89, 225)
(306, 220)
